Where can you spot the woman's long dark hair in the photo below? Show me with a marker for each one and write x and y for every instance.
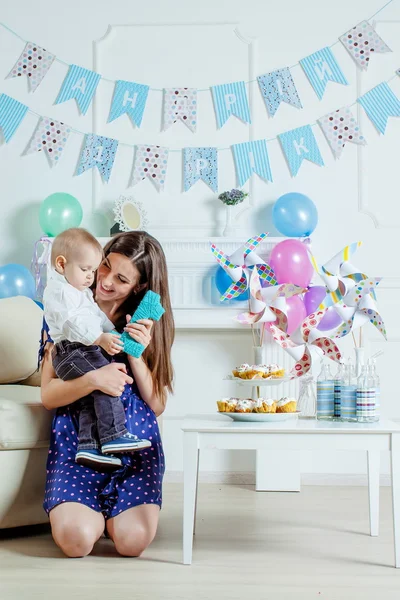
(146, 254)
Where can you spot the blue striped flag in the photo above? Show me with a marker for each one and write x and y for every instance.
(200, 163)
(129, 97)
(251, 157)
(299, 144)
(98, 152)
(80, 84)
(230, 99)
(321, 67)
(12, 113)
(380, 103)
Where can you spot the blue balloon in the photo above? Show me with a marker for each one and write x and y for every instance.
(223, 281)
(295, 215)
(16, 280)
(40, 305)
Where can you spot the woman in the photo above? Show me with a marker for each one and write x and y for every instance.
(82, 503)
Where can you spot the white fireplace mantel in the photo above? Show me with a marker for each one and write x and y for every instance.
(191, 271)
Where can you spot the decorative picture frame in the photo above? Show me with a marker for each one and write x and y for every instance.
(129, 214)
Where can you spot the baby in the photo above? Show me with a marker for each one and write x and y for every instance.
(80, 330)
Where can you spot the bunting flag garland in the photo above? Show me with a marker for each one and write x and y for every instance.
(151, 162)
(129, 97)
(360, 41)
(80, 84)
(321, 67)
(98, 152)
(51, 136)
(200, 163)
(34, 62)
(180, 103)
(12, 113)
(339, 127)
(230, 99)
(380, 103)
(251, 157)
(277, 87)
(299, 144)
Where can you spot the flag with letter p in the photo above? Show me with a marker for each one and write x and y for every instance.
(230, 99)
(98, 152)
(80, 84)
(200, 163)
(129, 97)
(251, 157)
(299, 144)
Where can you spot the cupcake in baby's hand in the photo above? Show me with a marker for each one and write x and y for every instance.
(286, 405)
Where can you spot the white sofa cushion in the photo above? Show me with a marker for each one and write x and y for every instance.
(20, 327)
(24, 422)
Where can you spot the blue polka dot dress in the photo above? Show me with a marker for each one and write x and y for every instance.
(138, 481)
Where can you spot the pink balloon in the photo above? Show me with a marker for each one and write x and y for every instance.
(330, 321)
(296, 312)
(291, 263)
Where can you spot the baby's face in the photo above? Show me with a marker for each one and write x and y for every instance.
(80, 271)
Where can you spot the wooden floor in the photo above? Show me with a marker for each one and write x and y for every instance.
(248, 545)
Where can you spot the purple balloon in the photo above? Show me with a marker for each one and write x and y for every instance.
(330, 321)
(291, 263)
(313, 298)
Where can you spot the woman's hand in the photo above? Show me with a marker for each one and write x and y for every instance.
(111, 379)
(139, 331)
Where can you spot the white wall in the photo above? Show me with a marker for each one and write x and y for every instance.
(357, 197)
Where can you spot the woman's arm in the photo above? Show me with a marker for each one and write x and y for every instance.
(55, 392)
(143, 379)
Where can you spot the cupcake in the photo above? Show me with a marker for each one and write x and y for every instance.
(265, 405)
(273, 371)
(255, 372)
(286, 405)
(245, 406)
(241, 371)
(227, 404)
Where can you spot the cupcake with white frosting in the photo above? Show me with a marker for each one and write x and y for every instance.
(286, 405)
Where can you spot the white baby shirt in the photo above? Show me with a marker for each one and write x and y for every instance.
(71, 314)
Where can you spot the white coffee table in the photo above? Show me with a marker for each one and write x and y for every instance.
(221, 433)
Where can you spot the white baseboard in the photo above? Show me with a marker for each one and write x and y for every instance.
(248, 478)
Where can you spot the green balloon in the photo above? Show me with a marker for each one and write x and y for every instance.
(59, 212)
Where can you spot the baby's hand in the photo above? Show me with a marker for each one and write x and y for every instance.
(110, 342)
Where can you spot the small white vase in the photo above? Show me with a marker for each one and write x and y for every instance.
(229, 228)
(359, 360)
(259, 355)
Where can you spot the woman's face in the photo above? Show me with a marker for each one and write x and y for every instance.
(117, 277)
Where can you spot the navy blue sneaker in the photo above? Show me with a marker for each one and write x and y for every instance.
(94, 459)
(125, 443)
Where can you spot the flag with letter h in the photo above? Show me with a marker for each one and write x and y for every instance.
(129, 97)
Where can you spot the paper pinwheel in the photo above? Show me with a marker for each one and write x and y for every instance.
(268, 304)
(350, 292)
(339, 275)
(240, 265)
(302, 342)
(358, 307)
